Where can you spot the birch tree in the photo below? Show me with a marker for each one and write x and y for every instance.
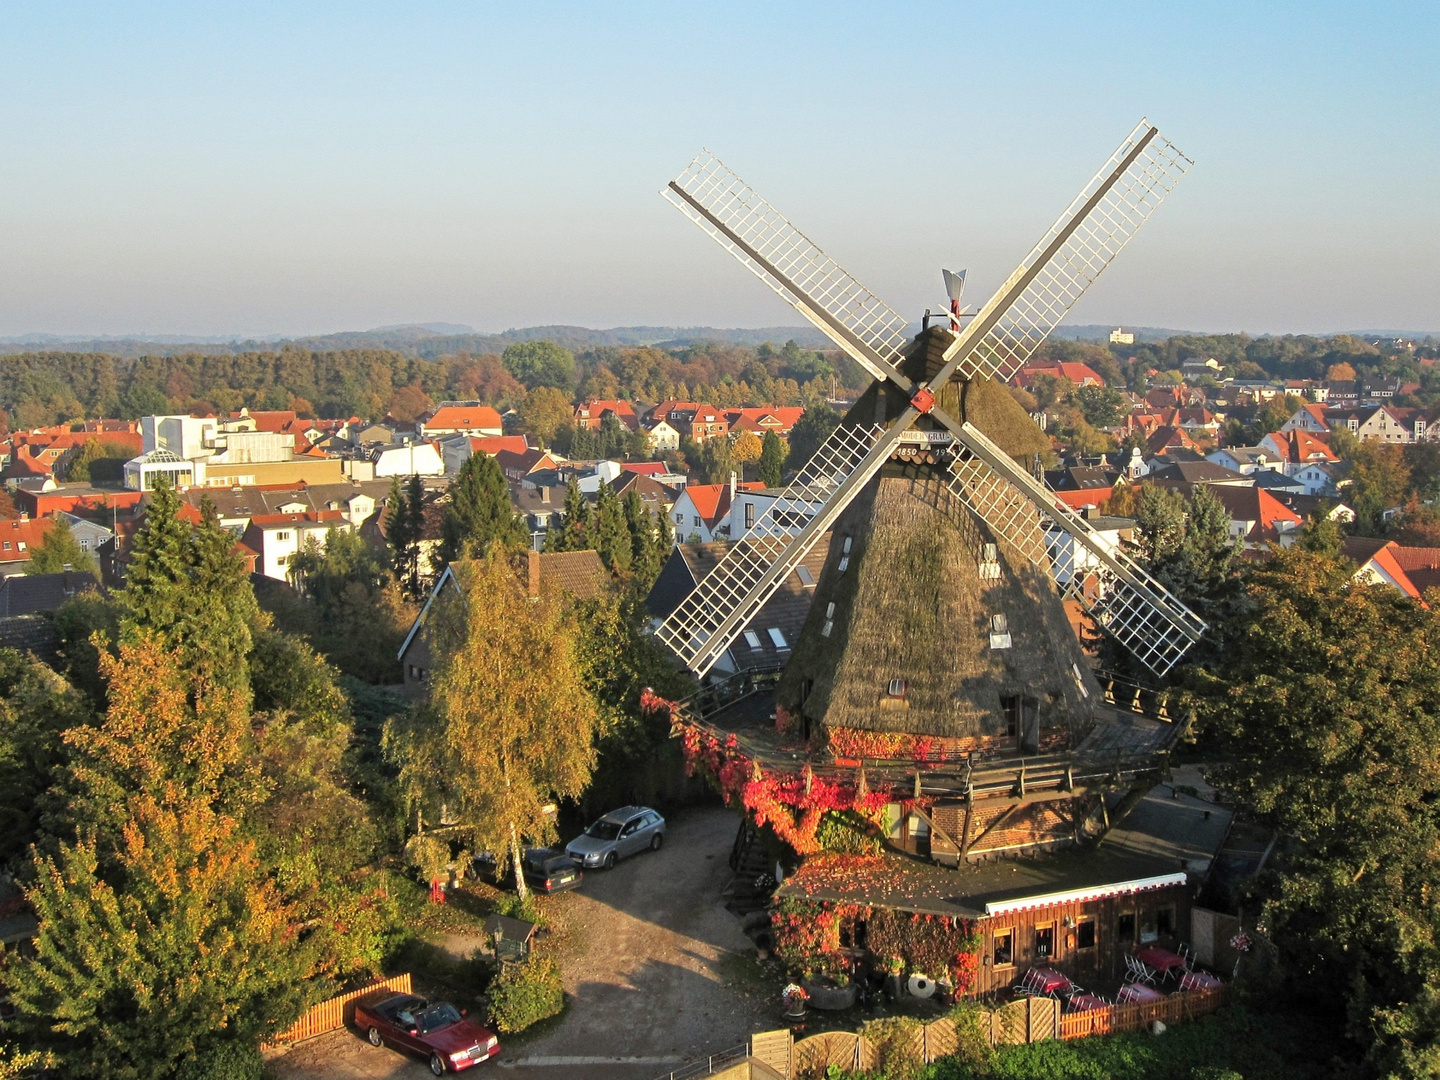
(511, 725)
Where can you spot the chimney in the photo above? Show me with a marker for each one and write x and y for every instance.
(732, 486)
(545, 494)
(534, 572)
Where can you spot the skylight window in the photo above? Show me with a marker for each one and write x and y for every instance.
(825, 630)
(830, 610)
(752, 639)
(778, 638)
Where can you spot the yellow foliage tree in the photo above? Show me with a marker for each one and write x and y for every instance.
(511, 725)
(747, 447)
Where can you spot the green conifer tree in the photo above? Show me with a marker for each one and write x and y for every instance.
(772, 459)
(479, 512)
(611, 533)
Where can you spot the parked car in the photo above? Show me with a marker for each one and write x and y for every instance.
(545, 869)
(549, 870)
(436, 1030)
(618, 834)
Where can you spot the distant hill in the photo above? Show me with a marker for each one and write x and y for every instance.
(429, 340)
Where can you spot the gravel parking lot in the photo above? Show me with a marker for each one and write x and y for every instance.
(656, 972)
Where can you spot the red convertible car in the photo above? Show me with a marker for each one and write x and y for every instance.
(435, 1030)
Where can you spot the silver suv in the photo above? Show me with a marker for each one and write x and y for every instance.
(619, 833)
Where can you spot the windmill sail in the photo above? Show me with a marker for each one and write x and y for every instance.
(712, 616)
(1084, 240)
(746, 225)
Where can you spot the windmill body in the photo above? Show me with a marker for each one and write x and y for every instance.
(938, 684)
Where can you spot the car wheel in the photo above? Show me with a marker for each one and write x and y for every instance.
(656, 841)
(610, 861)
(437, 1065)
(374, 1036)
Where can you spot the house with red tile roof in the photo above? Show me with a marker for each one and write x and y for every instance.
(1256, 516)
(517, 466)
(1068, 371)
(18, 537)
(460, 418)
(703, 510)
(590, 415)
(766, 418)
(693, 420)
(1411, 570)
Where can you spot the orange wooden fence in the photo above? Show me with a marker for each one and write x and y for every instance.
(335, 1013)
(1175, 1008)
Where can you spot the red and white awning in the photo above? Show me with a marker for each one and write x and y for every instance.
(1076, 896)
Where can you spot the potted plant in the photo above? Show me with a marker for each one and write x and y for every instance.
(794, 998)
(829, 990)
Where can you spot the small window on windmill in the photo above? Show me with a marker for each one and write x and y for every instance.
(752, 639)
(778, 639)
(990, 564)
(999, 632)
(894, 699)
(844, 563)
(807, 579)
(846, 548)
(1079, 681)
(829, 619)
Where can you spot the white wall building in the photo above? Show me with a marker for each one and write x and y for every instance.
(408, 459)
(276, 538)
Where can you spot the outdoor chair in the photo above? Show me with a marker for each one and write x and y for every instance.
(1188, 954)
(1139, 971)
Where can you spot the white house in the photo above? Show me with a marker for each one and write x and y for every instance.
(662, 436)
(748, 506)
(275, 538)
(460, 418)
(408, 459)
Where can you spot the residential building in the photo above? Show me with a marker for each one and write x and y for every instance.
(750, 505)
(1256, 516)
(1410, 570)
(460, 418)
(766, 642)
(1182, 476)
(1244, 459)
(577, 574)
(765, 419)
(1121, 337)
(32, 594)
(692, 420)
(701, 512)
(590, 415)
(1067, 371)
(415, 458)
(18, 536)
(276, 538)
(661, 435)
(458, 449)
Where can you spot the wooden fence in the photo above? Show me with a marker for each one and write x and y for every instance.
(336, 1013)
(1176, 1008)
(1021, 1021)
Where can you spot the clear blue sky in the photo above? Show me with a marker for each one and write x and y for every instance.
(298, 168)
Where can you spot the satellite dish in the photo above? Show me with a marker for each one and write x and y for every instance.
(954, 284)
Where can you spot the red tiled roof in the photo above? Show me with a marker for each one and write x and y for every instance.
(1082, 498)
(462, 417)
(1077, 373)
(645, 468)
(493, 444)
(1257, 506)
(779, 419)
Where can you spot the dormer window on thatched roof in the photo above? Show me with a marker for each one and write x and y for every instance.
(999, 632)
(896, 688)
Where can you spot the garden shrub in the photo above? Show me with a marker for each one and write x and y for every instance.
(972, 1041)
(845, 832)
(899, 1050)
(230, 1060)
(524, 994)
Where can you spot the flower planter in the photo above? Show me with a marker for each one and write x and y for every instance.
(824, 994)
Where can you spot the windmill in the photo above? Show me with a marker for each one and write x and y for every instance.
(916, 410)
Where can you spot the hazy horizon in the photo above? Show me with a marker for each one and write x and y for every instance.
(301, 170)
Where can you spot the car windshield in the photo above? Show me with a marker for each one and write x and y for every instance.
(436, 1017)
(603, 830)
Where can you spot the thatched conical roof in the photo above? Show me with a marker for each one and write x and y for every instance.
(903, 597)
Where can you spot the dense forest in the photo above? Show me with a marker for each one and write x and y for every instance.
(54, 387)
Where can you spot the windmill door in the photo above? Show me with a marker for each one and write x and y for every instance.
(1029, 726)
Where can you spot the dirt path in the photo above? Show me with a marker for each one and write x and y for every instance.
(657, 974)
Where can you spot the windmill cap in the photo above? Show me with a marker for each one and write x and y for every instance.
(954, 283)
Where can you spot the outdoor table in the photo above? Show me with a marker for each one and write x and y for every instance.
(1049, 981)
(1085, 1003)
(1161, 960)
(1199, 980)
(1139, 993)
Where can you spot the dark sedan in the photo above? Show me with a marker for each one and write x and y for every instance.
(548, 870)
(436, 1030)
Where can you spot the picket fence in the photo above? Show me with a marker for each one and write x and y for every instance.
(333, 1014)
(1020, 1021)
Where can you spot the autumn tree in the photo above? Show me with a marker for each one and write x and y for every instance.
(479, 512)
(541, 363)
(546, 412)
(409, 403)
(511, 725)
(772, 459)
(58, 549)
(746, 447)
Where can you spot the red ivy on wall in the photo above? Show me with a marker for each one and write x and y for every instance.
(792, 805)
(853, 743)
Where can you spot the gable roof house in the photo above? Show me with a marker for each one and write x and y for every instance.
(460, 418)
(1077, 373)
(766, 418)
(768, 639)
(702, 511)
(1411, 570)
(577, 574)
(276, 538)
(1256, 516)
(692, 420)
(590, 415)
